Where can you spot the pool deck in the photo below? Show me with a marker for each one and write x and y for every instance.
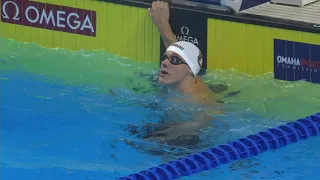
(309, 13)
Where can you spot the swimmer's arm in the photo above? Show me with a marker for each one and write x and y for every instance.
(206, 116)
(199, 120)
(166, 33)
(160, 16)
(203, 119)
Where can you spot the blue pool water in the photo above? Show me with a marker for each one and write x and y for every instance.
(54, 128)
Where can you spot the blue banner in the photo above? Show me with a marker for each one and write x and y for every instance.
(296, 61)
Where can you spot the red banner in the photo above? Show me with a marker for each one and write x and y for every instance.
(49, 16)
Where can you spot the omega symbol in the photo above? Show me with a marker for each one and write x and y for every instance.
(185, 30)
(4, 11)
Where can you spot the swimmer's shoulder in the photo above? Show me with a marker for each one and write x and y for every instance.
(206, 95)
(205, 98)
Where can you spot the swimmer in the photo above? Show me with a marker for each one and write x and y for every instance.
(180, 66)
(182, 60)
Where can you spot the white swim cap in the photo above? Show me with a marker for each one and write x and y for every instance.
(190, 53)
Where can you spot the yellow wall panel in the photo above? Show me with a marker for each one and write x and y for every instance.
(125, 35)
(247, 48)
(141, 34)
(128, 31)
(250, 49)
(111, 17)
(233, 48)
(225, 45)
(242, 39)
(133, 31)
(306, 37)
(118, 28)
(266, 50)
(217, 39)
(314, 38)
(9, 31)
(282, 34)
(102, 24)
(122, 30)
(211, 46)
(257, 50)
(148, 34)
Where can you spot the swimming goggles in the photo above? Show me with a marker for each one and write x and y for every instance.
(175, 60)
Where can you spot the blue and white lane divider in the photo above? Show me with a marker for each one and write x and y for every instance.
(246, 147)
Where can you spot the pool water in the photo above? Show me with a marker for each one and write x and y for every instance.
(63, 116)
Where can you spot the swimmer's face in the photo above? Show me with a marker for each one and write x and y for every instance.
(173, 69)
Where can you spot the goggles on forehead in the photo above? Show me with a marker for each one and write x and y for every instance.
(175, 60)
